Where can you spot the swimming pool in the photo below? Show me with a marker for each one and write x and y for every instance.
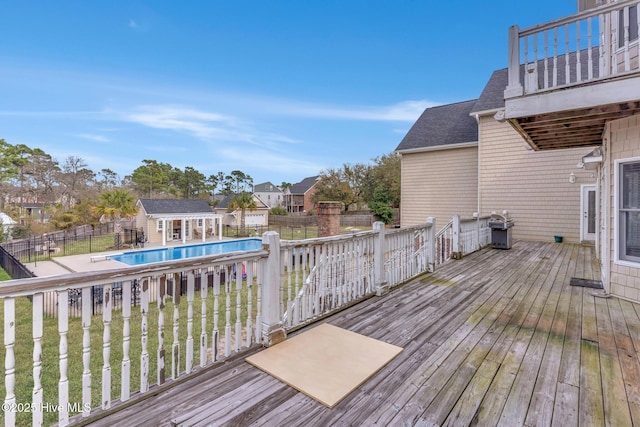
(180, 252)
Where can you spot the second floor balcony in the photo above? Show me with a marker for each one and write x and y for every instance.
(568, 77)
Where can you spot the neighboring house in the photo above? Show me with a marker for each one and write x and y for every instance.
(165, 220)
(558, 143)
(297, 197)
(34, 211)
(7, 224)
(270, 194)
(252, 217)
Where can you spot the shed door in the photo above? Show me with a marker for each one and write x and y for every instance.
(588, 220)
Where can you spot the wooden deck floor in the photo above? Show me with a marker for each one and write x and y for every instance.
(498, 338)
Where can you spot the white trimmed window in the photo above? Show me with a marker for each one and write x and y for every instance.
(160, 224)
(629, 211)
(199, 222)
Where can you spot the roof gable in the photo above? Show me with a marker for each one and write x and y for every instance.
(303, 186)
(174, 206)
(442, 125)
(224, 204)
(266, 187)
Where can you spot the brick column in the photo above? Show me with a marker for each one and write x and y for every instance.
(329, 218)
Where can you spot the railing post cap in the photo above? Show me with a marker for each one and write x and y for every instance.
(431, 220)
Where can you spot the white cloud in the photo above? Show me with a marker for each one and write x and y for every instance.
(404, 111)
(132, 24)
(203, 125)
(97, 138)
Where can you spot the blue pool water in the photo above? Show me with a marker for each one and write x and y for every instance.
(180, 252)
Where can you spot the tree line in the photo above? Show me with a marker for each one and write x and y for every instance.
(71, 190)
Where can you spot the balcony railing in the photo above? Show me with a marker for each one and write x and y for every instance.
(590, 46)
(119, 334)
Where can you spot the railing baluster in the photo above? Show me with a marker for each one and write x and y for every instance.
(227, 326)
(615, 34)
(63, 383)
(37, 330)
(175, 346)
(215, 334)
(161, 302)
(189, 343)
(578, 49)
(260, 278)
(125, 381)
(627, 59)
(144, 334)
(567, 66)
(249, 327)
(590, 49)
(555, 57)
(204, 337)
(546, 60)
(238, 281)
(106, 346)
(525, 49)
(87, 306)
(9, 360)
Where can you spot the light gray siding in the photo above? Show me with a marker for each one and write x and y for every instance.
(532, 185)
(439, 183)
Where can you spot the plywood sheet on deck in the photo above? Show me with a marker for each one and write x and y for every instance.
(326, 363)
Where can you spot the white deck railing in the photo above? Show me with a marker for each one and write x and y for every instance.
(581, 48)
(156, 323)
(320, 276)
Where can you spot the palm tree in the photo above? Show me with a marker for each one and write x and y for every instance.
(114, 206)
(242, 201)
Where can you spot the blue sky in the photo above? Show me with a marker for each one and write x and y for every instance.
(277, 89)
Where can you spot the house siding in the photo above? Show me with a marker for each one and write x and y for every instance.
(533, 186)
(624, 138)
(440, 184)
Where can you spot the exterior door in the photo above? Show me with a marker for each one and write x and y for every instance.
(588, 220)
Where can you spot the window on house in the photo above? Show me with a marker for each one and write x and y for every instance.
(159, 225)
(629, 212)
(633, 25)
(199, 222)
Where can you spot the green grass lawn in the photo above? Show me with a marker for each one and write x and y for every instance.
(78, 247)
(50, 377)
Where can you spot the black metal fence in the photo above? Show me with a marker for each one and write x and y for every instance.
(89, 240)
(204, 279)
(14, 268)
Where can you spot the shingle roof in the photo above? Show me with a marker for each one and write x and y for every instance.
(175, 206)
(492, 96)
(304, 185)
(266, 187)
(224, 203)
(442, 125)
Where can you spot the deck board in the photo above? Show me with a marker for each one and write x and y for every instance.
(498, 337)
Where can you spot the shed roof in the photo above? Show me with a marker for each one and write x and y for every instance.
(442, 125)
(175, 206)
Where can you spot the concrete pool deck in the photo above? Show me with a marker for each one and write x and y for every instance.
(82, 263)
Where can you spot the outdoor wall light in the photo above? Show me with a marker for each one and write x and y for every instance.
(572, 178)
